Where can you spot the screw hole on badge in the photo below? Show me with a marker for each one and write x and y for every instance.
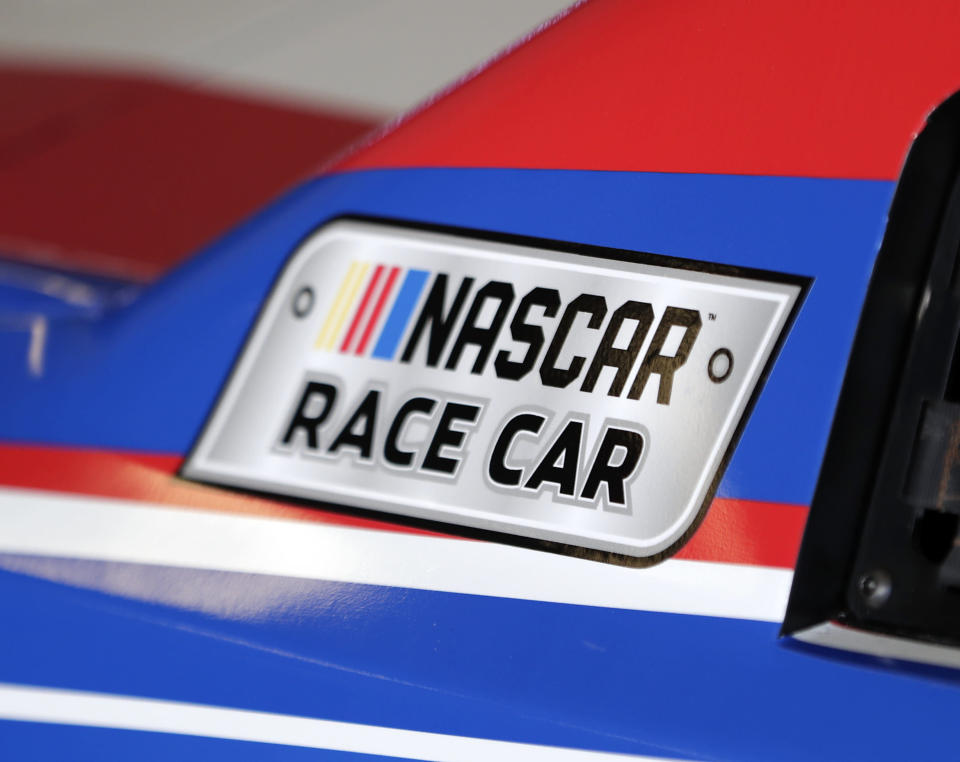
(303, 302)
(720, 365)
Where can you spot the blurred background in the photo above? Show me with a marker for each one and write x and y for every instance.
(134, 132)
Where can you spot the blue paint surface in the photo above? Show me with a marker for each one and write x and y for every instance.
(36, 741)
(661, 684)
(145, 377)
(28, 291)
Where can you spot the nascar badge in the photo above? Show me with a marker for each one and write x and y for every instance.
(578, 399)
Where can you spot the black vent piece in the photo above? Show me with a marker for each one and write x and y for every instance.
(881, 550)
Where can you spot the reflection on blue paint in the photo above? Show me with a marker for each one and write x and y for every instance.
(145, 377)
(631, 681)
(42, 741)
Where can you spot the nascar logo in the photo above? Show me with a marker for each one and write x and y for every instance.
(349, 327)
(434, 324)
(355, 335)
(583, 400)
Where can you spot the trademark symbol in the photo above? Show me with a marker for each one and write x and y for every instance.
(720, 365)
(711, 316)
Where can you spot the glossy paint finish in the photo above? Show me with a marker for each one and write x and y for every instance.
(144, 377)
(813, 89)
(126, 174)
(657, 684)
(696, 132)
(735, 530)
(175, 346)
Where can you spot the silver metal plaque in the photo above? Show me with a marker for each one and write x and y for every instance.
(587, 399)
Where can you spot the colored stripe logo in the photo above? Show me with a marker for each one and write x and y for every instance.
(361, 300)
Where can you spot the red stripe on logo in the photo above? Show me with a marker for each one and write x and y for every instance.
(734, 531)
(381, 301)
(362, 308)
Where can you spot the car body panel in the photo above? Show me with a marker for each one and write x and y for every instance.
(119, 579)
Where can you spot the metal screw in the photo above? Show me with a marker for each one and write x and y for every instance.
(875, 587)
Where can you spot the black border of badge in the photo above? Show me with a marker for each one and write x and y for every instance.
(588, 250)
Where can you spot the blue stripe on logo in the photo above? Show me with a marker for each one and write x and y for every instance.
(400, 314)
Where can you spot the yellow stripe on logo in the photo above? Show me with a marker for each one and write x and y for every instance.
(345, 298)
